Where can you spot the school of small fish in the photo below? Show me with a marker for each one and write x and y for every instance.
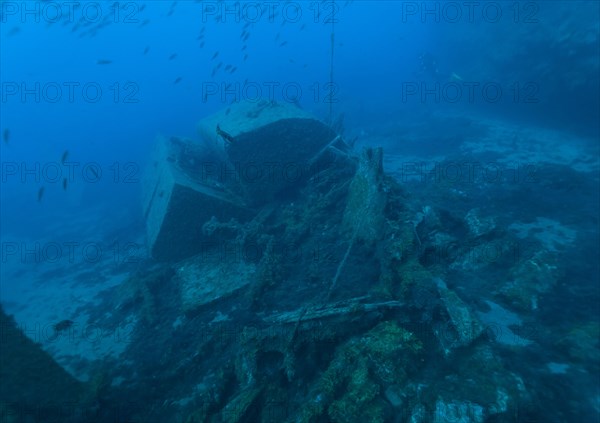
(90, 28)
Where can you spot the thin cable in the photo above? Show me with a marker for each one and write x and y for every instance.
(331, 88)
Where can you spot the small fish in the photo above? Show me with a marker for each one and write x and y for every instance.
(14, 31)
(40, 194)
(202, 44)
(283, 44)
(245, 57)
(177, 80)
(227, 67)
(224, 135)
(244, 47)
(215, 56)
(174, 55)
(302, 27)
(147, 49)
(146, 22)
(63, 325)
(227, 111)
(64, 157)
(455, 77)
(219, 65)
(233, 69)
(6, 136)
(246, 37)
(103, 62)
(65, 184)
(60, 327)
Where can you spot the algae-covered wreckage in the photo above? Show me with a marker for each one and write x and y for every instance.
(291, 287)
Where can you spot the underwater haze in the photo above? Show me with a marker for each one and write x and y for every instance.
(300, 211)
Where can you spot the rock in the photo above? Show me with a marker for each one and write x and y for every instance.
(418, 414)
(205, 279)
(531, 279)
(237, 408)
(393, 394)
(458, 412)
(479, 225)
(364, 215)
(463, 326)
(32, 382)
